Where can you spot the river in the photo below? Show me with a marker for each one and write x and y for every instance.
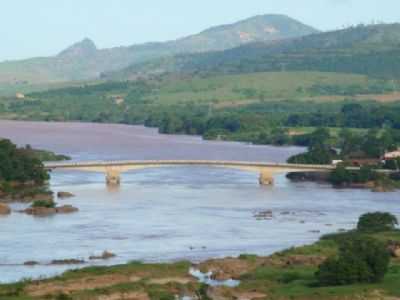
(168, 214)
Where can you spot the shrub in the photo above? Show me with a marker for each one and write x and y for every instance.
(360, 260)
(341, 175)
(63, 296)
(392, 164)
(377, 222)
(290, 277)
(202, 292)
(395, 176)
(44, 204)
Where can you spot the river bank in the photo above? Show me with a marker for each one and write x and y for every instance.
(284, 275)
(383, 183)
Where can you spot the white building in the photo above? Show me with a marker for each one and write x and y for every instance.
(392, 155)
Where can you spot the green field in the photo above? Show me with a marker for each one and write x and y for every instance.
(257, 87)
(9, 90)
(226, 89)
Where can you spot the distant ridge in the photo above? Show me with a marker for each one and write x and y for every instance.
(372, 50)
(83, 61)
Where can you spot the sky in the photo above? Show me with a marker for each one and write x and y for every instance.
(30, 28)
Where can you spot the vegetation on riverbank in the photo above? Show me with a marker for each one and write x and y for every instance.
(22, 174)
(44, 155)
(19, 165)
(366, 150)
(290, 274)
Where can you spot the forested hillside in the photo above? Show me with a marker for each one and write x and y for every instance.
(371, 50)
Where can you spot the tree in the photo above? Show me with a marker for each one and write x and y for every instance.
(360, 260)
(387, 140)
(320, 139)
(340, 175)
(373, 145)
(20, 164)
(350, 143)
(319, 150)
(377, 222)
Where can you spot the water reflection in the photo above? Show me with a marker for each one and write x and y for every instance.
(113, 188)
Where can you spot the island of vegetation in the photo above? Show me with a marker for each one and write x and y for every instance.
(360, 264)
(23, 177)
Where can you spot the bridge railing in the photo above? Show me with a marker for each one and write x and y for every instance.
(77, 164)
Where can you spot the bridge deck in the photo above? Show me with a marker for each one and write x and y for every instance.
(61, 165)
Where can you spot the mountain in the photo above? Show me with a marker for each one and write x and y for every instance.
(83, 61)
(371, 50)
(85, 48)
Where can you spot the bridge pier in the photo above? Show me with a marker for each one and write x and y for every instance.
(266, 177)
(113, 177)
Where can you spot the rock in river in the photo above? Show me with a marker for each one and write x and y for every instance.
(66, 209)
(4, 209)
(105, 255)
(40, 211)
(31, 263)
(46, 211)
(64, 195)
(264, 215)
(67, 262)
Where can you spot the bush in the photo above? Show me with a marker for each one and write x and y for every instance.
(290, 277)
(342, 176)
(63, 296)
(392, 164)
(44, 204)
(360, 260)
(395, 176)
(377, 222)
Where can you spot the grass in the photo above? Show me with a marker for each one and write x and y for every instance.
(10, 89)
(229, 89)
(299, 283)
(256, 86)
(334, 131)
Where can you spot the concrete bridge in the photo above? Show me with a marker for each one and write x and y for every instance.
(113, 169)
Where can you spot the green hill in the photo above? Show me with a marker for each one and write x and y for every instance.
(83, 61)
(371, 50)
